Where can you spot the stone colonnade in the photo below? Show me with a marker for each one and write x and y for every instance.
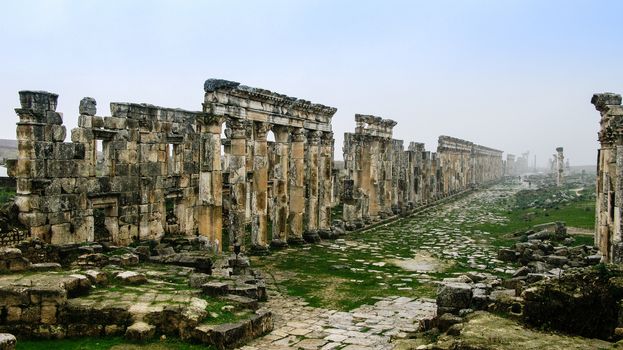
(284, 194)
(609, 202)
(146, 171)
(382, 178)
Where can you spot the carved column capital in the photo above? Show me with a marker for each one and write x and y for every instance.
(327, 138)
(237, 129)
(313, 137)
(298, 135)
(261, 129)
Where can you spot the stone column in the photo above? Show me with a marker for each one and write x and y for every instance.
(237, 180)
(326, 184)
(280, 187)
(259, 195)
(560, 166)
(311, 209)
(210, 183)
(370, 176)
(296, 178)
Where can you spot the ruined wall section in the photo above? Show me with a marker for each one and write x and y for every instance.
(609, 202)
(114, 180)
(456, 164)
(375, 162)
(368, 159)
(487, 164)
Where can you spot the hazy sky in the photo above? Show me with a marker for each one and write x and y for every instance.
(513, 75)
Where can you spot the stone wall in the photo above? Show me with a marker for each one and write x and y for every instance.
(383, 179)
(609, 177)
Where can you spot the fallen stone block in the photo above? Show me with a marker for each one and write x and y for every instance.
(96, 277)
(45, 267)
(131, 277)
(453, 296)
(140, 331)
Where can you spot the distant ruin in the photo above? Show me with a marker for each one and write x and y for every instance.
(147, 171)
(383, 179)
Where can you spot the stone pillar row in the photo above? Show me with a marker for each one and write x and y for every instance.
(301, 184)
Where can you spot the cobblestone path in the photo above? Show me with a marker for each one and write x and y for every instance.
(445, 233)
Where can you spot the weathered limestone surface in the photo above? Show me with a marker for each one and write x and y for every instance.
(609, 177)
(383, 179)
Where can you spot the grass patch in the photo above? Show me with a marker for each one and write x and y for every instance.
(6, 194)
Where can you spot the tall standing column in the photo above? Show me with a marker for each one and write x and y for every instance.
(326, 184)
(297, 187)
(311, 210)
(560, 166)
(280, 187)
(259, 195)
(210, 184)
(237, 179)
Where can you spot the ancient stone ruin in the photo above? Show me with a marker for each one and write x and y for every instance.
(146, 171)
(609, 177)
(384, 179)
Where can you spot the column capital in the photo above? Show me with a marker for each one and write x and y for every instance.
(327, 138)
(237, 129)
(298, 135)
(313, 136)
(261, 129)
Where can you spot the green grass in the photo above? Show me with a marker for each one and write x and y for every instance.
(344, 277)
(6, 194)
(113, 343)
(215, 307)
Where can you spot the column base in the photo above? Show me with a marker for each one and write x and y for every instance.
(296, 241)
(258, 250)
(278, 244)
(327, 234)
(311, 237)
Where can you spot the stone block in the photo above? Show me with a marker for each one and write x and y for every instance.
(140, 331)
(88, 106)
(7, 341)
(131, 277)
(454, 296)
